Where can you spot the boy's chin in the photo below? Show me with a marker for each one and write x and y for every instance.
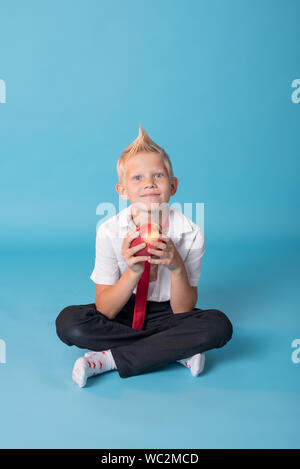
(149, 206)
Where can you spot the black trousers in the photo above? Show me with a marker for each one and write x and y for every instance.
(165, 338)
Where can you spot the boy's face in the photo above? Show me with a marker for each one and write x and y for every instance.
(147, 181)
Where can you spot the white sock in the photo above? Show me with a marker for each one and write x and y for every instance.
(195, 363)
(91, 364)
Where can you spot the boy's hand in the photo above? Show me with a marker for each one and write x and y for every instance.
(135, 263)
(167, 254)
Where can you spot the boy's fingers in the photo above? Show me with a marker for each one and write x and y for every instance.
(140, 259)
(129, 237)
(136, 248)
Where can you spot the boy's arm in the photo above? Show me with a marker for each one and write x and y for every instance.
(184, 274)
(111, 299)
(185, 278)
(183, 297)
(113, 292)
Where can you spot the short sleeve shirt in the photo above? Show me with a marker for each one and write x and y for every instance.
(187, 237)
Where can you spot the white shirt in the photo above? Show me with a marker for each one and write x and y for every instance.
(110, 265)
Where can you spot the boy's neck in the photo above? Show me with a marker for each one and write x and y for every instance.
(161, 217)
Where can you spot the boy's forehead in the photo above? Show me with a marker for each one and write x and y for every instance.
(142, 161)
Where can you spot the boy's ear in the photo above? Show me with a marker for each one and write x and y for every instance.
(174, 185)
(121, 191)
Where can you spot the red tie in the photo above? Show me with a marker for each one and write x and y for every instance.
(141, 298)
(143, 284)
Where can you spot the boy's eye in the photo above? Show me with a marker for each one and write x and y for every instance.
(138, 176)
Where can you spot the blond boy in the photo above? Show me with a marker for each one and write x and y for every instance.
(174, 329)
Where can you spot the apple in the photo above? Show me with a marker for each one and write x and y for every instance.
(148, 232)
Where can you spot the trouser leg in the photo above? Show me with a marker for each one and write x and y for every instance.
(87, 328)
(183, 335)
(166, 337)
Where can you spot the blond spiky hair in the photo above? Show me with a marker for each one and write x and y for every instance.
(142, 143)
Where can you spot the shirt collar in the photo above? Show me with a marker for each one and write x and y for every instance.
(178, 223)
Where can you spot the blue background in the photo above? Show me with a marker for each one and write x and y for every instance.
(210, 81)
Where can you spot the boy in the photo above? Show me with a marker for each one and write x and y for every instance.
(173, 329)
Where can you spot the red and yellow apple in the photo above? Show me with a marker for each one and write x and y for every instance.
(148, 232)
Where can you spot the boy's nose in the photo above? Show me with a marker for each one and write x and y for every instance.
(149, 186)
(149, 182)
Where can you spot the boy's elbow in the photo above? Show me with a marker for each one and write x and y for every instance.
(195, 298)
(101, 309)
(98, 307)
(100, 304)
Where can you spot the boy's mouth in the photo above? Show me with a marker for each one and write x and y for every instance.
(150, 195)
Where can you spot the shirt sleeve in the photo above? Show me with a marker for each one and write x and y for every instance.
(106, 270)
(193, 260)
